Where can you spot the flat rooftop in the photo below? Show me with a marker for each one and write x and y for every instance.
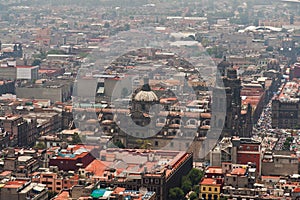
(289, 92)
(15, 184)
(135, 162)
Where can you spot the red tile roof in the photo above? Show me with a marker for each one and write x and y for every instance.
(209, 181)
(62, 196)
(96, 167)
(238, 171)
(118, 190)
(214, 170)
(296, 190)
(14, 184)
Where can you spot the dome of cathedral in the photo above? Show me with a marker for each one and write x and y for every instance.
(147, 96)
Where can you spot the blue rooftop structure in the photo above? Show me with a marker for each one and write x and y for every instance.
(98, 193)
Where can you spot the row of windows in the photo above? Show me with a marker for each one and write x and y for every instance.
(248, 148)
(57, 183)
(209, 189)
(248, 156)
(179, 121)
(156, 181)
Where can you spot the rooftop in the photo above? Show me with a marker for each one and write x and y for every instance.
(209, 181)
(15, 184)
(238, 171)
(289, 92)
(214, 170)
(124, 163)
(62, 196)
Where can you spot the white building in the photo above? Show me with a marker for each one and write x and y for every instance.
(27, 72)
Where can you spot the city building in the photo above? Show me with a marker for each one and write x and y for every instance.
(285, 106)
(237, 151)
(133, 169)
(71, 158)
(23, 190)
(7, 87)
(210, 188)
(55, 180)
(55, 91)
(22, 131)
(279, 163)
(27, 72)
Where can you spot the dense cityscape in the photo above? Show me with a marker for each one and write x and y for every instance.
(149, 99)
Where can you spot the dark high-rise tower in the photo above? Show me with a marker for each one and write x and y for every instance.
(227, 98)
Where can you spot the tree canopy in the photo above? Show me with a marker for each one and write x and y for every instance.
(176, 193)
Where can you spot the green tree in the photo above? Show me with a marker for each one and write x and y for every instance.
(83, 54)
(216, 51)
(40, 56)
(76, 139)
(119, 144)
(290, 139)
(176, 193)
(195, 176)
(223, 198)
(56, 51)
(193, 196)
(205, 42)
(40, 145)
(143, 144)
(196, 189)
(36, 62)
(186, 184)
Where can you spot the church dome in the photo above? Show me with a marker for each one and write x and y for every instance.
(147, 96)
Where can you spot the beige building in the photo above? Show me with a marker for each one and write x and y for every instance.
(23, 190)
(285, 107)
(54, 93)
(279, 164)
